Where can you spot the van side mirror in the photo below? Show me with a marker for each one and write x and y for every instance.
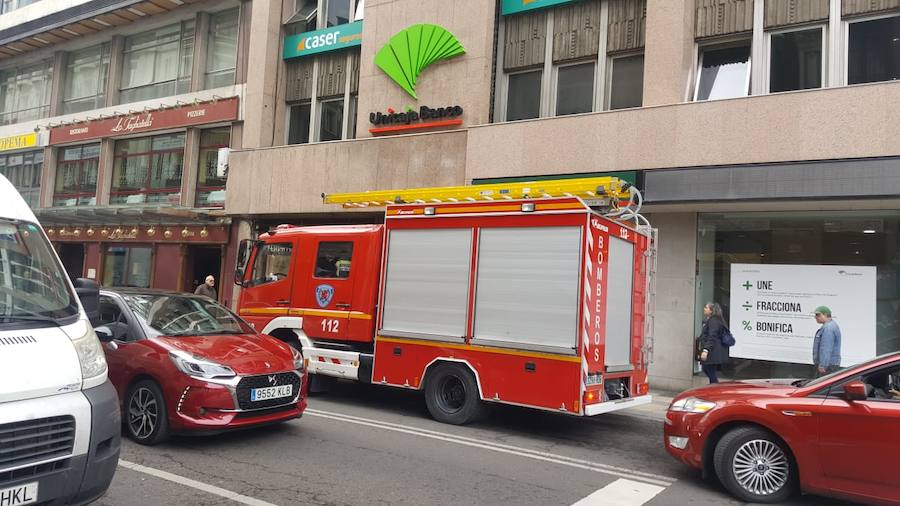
(88, 292)
(855, 391)
(104, 334)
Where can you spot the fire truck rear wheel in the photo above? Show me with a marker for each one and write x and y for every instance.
(451, 394)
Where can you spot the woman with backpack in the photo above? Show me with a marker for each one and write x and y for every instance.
(712, 350)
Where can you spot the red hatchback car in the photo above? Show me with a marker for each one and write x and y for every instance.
(183, 363)
(838, 435)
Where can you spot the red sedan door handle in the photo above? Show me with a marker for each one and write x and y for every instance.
(282, 302)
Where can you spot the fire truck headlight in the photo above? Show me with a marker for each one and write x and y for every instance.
(692, 405)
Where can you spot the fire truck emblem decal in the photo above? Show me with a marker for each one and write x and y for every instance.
(324, 294)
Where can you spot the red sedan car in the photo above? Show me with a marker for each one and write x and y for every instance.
(838, 435)
(183, 363)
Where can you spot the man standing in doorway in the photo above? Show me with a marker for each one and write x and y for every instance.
(827, 343)
(207, 289)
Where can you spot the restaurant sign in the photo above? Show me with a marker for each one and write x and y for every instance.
(183, 116)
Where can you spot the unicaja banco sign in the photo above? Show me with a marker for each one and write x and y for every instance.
(411, 51)
(321, 41)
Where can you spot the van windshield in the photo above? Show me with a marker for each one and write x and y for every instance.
(32, 285)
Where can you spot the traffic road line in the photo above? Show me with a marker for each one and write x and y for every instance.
(622, 492)
(205, 487)
(619, 472)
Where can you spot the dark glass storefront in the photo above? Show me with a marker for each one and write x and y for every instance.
(800, 238)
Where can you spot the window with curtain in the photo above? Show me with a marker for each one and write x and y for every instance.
(76, 175)
(575, 89)
(25, 93)
(158, 63)
(221, 54)
(724, 72)
(148, 170)
(24, 171)
(211, 187)
(85, 79)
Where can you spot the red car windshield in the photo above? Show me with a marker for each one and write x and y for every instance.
(175, 315)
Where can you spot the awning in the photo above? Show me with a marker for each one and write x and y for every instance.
(130, 215)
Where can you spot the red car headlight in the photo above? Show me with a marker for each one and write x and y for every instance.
(692, 405)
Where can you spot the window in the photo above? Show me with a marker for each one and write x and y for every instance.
(221, 55)
(723, 73)
(127, 266)
(85, 79)
(148, 170)
(795, 61)
(883, 385)
(25, 93)
(333, 260)
(626, 87)
(272, 263)
(304, 18)
(211, 187)
(298, 130)
(524, 96)
(331, 115)
(11, 5)
(111, 316)
(575, 89)
(874, 51)
(338, 12)
(76, 176)
(158, 63)
(24, 171)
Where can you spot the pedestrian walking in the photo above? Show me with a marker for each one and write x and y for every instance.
(208, 289)
(827, 344)
(713, 352)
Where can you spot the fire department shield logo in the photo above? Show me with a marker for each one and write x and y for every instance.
(324, 294)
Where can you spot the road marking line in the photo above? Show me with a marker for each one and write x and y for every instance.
(621, 493)
(619, 472)
(181, 480)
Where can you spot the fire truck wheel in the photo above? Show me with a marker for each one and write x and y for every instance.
(451, 394)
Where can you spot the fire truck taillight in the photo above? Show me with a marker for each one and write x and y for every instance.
(592, 397)
(643, 388)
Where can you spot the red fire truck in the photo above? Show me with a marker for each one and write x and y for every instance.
(533, 294)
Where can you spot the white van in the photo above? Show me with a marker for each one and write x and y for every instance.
(59, 414)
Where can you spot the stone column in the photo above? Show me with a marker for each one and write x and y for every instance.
(262, 74)
(189, 169)
(201, 42)
(57, 87)
(104, 171)
(114, 77)
(669, 51)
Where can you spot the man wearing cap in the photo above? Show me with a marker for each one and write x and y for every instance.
(827, 343)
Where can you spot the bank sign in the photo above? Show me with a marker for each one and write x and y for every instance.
(322, 41)
(772, 310)
(517, 6)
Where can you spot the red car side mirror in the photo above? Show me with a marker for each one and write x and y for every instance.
(855, 391)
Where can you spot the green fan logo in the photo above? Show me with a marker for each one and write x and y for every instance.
(408, 52)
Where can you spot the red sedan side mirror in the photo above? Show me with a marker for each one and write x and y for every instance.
(855, 391)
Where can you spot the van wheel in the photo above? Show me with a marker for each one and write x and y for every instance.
(451, 394)
(146, 419)
(755, 466)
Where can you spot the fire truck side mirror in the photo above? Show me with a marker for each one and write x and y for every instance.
(243, 255)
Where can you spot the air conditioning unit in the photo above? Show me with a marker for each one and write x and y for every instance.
(222, 162)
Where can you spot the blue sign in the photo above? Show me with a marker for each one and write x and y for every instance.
(320, 41)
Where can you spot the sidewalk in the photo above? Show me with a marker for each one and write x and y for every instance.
(656, 410)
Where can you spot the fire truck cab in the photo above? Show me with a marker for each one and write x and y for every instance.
(520, 294)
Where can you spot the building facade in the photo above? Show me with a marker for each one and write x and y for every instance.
(763, 133)
(113, 117)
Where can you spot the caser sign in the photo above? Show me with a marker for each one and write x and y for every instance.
(321, 41)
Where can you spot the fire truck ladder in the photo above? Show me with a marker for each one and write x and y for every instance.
(605, 192)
